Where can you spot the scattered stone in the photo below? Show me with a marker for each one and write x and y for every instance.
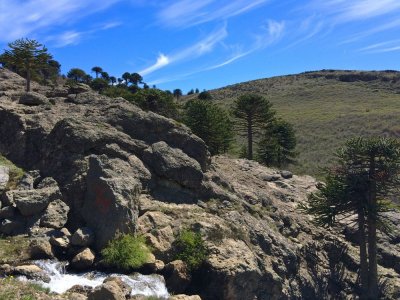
(32, 99)
(83, 237)
(56, 215)
(286, 174)
(4, 177)
(177, 276)
(41, 249)
(83, 259)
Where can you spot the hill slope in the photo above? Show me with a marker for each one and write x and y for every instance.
(327, 107)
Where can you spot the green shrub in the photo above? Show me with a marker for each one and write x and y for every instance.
(191, 248)
(126, 252)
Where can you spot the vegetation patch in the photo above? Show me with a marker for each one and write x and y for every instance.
(191, 248)
(16, 173)
(13, 249)
(126, 252)
(13, 289)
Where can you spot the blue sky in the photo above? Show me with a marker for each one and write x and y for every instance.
(209, 43)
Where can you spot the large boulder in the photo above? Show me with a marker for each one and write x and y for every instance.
(56, 215)
(83, 260)
(109, 290)
(111, 200)
(32, 98)
(174, 164)
(83, 237)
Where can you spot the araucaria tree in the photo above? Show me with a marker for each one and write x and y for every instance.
(277, 145)
(25, 57)
(211, 123)
(360, 186)
(97, 71)
(253, 113)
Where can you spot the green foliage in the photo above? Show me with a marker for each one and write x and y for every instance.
(204, 95)
(126, 252)
(97, 71)
(191, 248)
(177, 93)
(15, 173)
(30, 59)
(99, 84)
(78, 75)
(210, 123)
(157, 101)
(277, 144)
(253, 113)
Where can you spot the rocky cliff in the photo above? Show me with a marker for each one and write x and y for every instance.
(106, 165)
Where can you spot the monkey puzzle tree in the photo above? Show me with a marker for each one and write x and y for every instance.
(367, 175)
(177, 93)
(77, 75)
(97, 71)
(135, 78)
(253, 113)
(277, 145)
(25, 57)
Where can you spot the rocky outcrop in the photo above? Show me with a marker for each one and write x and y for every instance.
(112, 167)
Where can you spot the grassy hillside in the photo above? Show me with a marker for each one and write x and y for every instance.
(326, 108)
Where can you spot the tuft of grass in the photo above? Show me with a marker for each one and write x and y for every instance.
(13, 289)
(16, 173)
(13, 249)
(126, 252)
(191, 248)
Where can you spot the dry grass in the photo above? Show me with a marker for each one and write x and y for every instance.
(325, 109)
(16, 173)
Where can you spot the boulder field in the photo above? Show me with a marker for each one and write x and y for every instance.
(95, 166)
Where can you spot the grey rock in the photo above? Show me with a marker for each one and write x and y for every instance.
(32, 98)
(7, 212)
(61, 242)
(7, 198)
(56, 215)
(111, 200)
(286, 174)
(79, 88)
(11, 227)
(4, 177)
(83, 237)
(174, 164)
(41, 249)
(270, 177)
(83, 260)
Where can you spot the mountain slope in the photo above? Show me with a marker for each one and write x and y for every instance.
(327, 107)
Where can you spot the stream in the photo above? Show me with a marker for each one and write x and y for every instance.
(61, 281)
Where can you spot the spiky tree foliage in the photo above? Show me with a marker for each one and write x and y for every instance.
(99, 84)
(204, 95)
(211, 123)
(77, 75)
(253, 113)
(277, 145)
(155, 100)
(177, 93)
(26, 57)
(113, 80)
(126, 76)
(105, 76)
(97, 71)
(135, 79)
(365, 178)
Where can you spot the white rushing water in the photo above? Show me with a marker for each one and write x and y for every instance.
(60, 281)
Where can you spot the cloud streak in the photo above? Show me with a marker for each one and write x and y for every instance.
(20, 18)
(187, 13)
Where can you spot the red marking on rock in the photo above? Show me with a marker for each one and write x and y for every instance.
(102, 202)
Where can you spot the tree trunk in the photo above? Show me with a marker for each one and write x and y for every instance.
(249, 138)
(363, 254)
(372, 247)
(28, 79)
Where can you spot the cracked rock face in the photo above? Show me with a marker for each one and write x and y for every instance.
(113, 167)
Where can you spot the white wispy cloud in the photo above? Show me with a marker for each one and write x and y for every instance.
(356, 10)
(21, 18)
(186, 13)
(388, 46)
(198, 49)
(272, 32)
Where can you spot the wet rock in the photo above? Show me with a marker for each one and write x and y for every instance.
(82, 237)
(83, 259)
(41, 249)
(107, 291)
(32, 272)
(177, 276)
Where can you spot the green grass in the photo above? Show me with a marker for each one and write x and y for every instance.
(13, 289)
(16, 173)
(13, 249)
(126, 252)
(325, 112)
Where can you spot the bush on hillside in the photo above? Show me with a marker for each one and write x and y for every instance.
(126, 252)
(191, 248)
